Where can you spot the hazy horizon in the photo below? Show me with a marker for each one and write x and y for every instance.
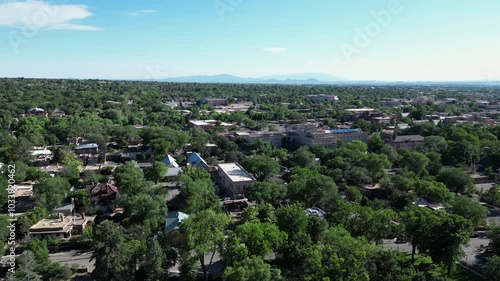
(379, 40)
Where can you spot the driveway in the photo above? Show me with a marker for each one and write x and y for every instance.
(71, 257)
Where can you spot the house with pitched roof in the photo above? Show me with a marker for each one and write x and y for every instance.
(104, 195)
(170, 161)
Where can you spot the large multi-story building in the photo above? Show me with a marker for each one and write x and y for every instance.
(213, 101)
(321, 98)
(275, 138)
(410, 142)
(234, 179)
(327, 138)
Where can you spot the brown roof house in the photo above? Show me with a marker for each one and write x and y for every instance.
(104, 195)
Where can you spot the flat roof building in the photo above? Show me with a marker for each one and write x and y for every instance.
(59, 228)
(234, 178)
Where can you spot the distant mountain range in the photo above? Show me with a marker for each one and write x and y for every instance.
(299, 78)
(312, 79)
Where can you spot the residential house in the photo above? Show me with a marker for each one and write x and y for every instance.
(195, 160)
(66, 209)
(170, 161)
(59, 228)
(104, 195)
(173, 220)
(42, 156)
(36, 111)
(172, 227)
(89, 148)
(81, 221)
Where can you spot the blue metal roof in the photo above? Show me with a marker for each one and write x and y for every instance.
(173, 220)
(336, 131)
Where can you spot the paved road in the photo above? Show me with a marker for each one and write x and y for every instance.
(71, 257)
(472, 251)
(493, 217)
(215, 268)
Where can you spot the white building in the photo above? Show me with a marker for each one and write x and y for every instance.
(234, 179)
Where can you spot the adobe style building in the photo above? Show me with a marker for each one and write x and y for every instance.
(327, 138)
(59, 228)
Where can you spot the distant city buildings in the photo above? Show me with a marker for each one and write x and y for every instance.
(321, 98)
(212, 101)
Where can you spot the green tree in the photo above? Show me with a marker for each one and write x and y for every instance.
(261, 166)
(492, 196)
(82, 198)
(494, 235)
(44, 266)
(375, 143)
(434, 144)
(312, 189)
(197, 195)
(492, 268)
(389, 266)
(203, 233)
(353, 194)
(130, 179)
(145, 210)
(156, 172)
(302, 157)
(233, 250)
(374, 225)
(160, 148)
(456, 179)
(27, 268)
(260, 238)
(292, 219)
(51, 191)
(249, 269)
(469, 209)
(111, 253)
(266, 192)
(345, 256)
(435, 192)
(418, 224)
(451, 234)
(414, 161)
(154, 261)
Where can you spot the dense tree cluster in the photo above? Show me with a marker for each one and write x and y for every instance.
(356, 195)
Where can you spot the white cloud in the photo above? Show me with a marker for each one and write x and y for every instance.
(42, 15)
(145, 11)
(149, 11)
(275, 50)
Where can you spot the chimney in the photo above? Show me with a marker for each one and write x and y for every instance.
(83, 215)
(61, 217)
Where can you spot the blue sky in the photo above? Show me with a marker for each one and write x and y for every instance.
(391, 40)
